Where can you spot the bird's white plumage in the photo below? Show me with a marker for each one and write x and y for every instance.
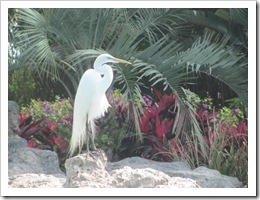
(91, 102)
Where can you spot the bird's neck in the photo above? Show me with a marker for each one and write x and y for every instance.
(107, 76)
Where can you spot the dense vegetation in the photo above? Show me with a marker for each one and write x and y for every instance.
(185, 97)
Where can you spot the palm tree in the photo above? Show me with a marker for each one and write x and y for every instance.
(168, 48)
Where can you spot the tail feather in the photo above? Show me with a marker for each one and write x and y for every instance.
(80, 131)
(80, 135)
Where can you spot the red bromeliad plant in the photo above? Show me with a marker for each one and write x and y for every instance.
(27, 126)
(161, 114)
(157, 121)
(41, 134)
(47, 125)
(156, 124)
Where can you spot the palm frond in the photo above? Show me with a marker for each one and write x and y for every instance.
(210, 20)
(221, 61)
(239, 15)
(35, 46)
(155, 23)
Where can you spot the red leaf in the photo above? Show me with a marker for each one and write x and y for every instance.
(59, 142)
(157, 93)
(149, 113)
(51, 126)
(51, 141)
(31, 143)
(162, 128)
(26, 130)
(241, 128)
(23, 117)
(145, 123)
(166, 102)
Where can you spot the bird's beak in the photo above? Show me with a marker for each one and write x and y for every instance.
(121, 61)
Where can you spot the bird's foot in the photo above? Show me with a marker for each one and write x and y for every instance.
(92, 155)
(97, 153)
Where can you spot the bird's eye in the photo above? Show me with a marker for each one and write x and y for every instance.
(109, 63)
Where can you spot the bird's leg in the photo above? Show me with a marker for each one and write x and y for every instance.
(93, 144)
(93, 135)
(87, 145)
(94, 147)
(93, 139)
(87, 136)
(88, 132)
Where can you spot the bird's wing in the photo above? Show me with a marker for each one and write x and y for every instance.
(84, 101)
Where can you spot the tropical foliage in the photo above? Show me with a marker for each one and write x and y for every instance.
(174, 50)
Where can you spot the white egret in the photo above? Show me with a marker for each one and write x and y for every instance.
(91, 102)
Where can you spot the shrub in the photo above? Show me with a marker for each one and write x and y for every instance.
(47, 125)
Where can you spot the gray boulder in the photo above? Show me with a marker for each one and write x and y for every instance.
(13, 119)
(128, 177)
(88, 170)
(30, 180)
(22, 159)
(93, 171)
(204, 177)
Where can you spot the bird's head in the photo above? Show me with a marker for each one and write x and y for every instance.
(108, 59)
